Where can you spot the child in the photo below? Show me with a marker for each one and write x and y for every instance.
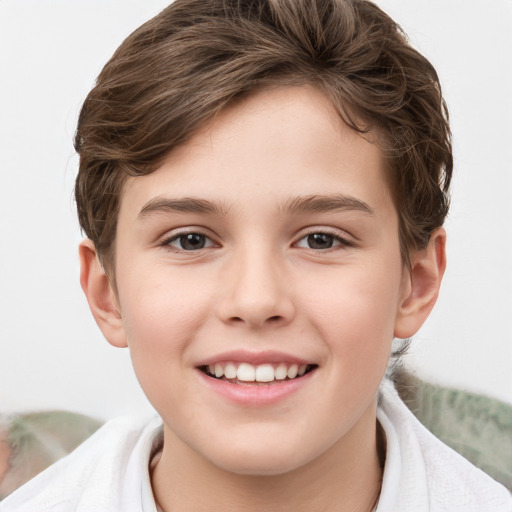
(263, 186)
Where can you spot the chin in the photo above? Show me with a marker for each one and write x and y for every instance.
(269, 461)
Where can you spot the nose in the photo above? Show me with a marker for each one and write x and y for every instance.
(255, 290)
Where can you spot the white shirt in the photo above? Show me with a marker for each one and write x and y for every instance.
(109, 472)
(422, 474)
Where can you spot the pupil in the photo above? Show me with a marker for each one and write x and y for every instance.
(320, 241)
(192, 241)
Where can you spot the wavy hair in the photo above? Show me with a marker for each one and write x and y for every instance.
(182, 67)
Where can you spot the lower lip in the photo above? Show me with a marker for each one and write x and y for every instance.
(254, 394)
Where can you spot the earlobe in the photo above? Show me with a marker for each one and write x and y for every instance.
(421, 285)
(100, 295)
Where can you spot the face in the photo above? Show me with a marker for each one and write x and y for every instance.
(265, 248)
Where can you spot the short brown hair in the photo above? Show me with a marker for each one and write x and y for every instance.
(180, 68)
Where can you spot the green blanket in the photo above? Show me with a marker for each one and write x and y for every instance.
(476, 426)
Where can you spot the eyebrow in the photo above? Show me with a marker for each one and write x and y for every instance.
(295, 205)
(326, 204)
(185, 205)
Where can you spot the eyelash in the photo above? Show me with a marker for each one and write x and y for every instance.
(177, 236)
(336, 241)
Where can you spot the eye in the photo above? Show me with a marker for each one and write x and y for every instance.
(322, 241)
(189, 242)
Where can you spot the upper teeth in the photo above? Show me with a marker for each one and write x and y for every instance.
(261, 373)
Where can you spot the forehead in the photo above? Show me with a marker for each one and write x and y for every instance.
(274, 145)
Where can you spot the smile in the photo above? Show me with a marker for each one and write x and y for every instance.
(262, 373)
(256, 379)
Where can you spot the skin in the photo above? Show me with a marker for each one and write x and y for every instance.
(259, 285)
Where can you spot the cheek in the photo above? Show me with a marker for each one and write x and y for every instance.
(161, 315)
(161, 302)
(159, 327)
(356, 315)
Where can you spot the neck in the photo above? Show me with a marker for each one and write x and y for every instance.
(346, 478)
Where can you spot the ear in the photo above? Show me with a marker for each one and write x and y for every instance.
(100, 295)
(420, 285)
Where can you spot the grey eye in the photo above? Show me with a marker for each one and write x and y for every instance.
(320, 241)
(190, 242)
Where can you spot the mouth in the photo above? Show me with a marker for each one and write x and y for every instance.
(246, 373)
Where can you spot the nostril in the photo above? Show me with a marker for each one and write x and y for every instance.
(272, 319)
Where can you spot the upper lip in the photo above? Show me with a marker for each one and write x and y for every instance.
(255, 358)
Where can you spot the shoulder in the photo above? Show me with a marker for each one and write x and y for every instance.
(422, 473)
(114, 458)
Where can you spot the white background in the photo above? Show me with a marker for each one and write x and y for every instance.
(52, 355)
